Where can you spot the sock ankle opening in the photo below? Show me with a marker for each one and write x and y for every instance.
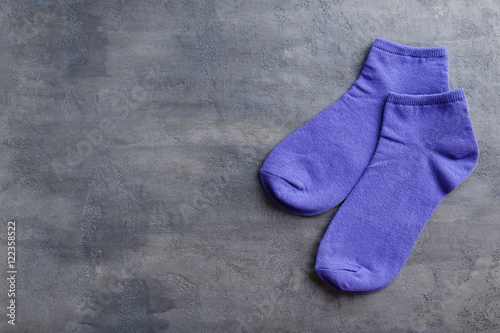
(410, 51)
(440, 98)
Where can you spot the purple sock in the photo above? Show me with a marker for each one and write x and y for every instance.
(315, 168)
(427, 147)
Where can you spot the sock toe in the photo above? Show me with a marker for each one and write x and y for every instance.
(285, 193)
(352, 279)
(281, 181)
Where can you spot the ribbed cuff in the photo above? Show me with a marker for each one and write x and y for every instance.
(410, 51)
(441, 98)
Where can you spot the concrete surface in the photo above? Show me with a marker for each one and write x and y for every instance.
(132, 133)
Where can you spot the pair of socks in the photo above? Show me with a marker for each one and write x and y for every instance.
(392, 147)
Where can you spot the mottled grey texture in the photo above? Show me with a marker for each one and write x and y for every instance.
(132, 133)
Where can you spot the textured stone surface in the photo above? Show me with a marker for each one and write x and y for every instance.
(131, 136)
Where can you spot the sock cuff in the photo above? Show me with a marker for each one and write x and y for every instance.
(410, 51)
(440, 98)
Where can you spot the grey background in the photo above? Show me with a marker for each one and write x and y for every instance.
(132, 133)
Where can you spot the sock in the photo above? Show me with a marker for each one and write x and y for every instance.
(315, 168)
(427, 147)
